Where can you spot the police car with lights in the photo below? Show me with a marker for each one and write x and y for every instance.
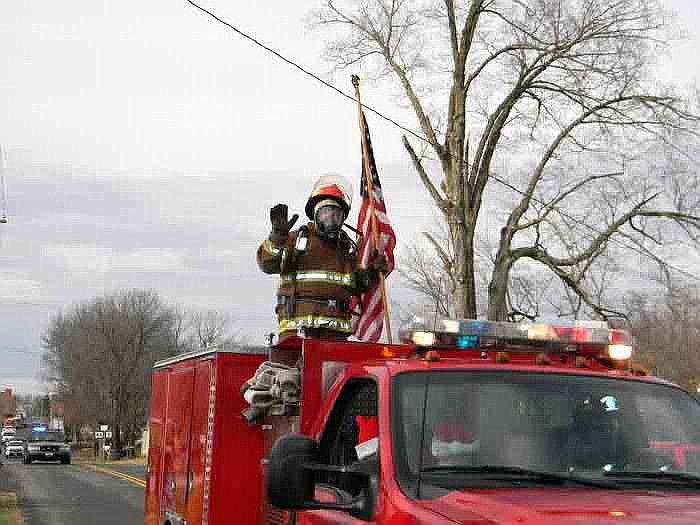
(467, 421)
(46, 445)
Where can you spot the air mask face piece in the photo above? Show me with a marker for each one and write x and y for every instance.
(329, 220)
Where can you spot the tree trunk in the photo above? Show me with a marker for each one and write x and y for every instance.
(116, 425)
(498, 288)
(463, 271)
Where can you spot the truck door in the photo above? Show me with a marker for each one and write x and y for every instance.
(154, 480)
(177, 445)
(194, 496)
(353, 421)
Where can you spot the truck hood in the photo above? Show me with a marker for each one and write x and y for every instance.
(575, 506)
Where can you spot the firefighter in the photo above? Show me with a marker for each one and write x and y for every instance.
(317, 263)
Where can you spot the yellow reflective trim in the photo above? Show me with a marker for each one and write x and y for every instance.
(316, 321)
(344, 279)
(270, 248)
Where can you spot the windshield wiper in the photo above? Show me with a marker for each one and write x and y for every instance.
(508, 470)
(681, 477)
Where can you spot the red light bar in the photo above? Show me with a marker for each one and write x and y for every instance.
(592, 338)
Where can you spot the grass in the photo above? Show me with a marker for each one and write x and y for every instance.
(9, 515)
(8, 501)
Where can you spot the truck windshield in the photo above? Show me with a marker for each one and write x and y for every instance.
(47, 436)
(462, 429)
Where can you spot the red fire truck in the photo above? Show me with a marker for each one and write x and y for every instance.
(465, 422)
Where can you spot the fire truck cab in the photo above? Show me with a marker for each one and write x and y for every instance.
(465, 422)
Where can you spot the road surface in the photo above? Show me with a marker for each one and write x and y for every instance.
(51, 494)
(136, 471)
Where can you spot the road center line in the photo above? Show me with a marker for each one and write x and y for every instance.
(120, 475)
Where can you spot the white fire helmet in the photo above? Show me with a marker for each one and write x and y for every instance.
(331, 186)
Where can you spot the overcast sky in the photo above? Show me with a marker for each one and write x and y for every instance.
(144, 144)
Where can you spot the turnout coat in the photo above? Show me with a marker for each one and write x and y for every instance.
(318, 277)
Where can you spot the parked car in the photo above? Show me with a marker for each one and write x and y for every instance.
(14, 448)
(6, 435)
(47, 446)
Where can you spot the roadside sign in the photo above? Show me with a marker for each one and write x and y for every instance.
(99, 435)
(103, 428)
(108, 434)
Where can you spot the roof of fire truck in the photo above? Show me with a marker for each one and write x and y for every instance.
(585, 347)
(581, 347)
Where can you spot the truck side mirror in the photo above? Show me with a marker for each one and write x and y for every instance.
(291, 477)
(287, 483)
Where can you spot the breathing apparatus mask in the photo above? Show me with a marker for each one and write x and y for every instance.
(329, 217)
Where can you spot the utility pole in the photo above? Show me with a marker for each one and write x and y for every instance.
(3, 191)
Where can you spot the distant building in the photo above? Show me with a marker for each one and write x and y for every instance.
(8, 404)
(56, 411)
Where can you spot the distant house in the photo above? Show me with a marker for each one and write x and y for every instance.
(8, 404)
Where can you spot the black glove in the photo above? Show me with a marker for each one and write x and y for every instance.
(280, 224)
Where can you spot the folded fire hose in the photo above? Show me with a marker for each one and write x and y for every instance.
(272, 386)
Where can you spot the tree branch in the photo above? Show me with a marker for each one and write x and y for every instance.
(424, 177)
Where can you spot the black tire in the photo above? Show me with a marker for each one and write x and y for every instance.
(27, 461)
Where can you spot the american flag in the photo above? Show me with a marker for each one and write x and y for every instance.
(369, 324)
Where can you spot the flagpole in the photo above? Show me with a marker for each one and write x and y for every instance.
(370, 189)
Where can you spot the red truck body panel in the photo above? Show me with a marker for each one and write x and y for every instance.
(200, 449)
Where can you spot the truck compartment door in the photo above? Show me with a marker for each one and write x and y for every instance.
(154, 479)
(198, 442)
(177, 443)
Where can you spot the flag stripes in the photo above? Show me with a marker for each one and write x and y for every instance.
(370, 323)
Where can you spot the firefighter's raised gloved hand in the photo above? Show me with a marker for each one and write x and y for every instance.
(281, 225)
(380, 264)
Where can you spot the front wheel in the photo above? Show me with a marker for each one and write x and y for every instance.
(27, 460)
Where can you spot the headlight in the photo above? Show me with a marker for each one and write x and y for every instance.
(33, 448)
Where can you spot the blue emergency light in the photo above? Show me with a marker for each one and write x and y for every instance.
(467, 341)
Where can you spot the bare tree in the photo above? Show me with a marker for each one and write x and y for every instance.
(100, 354)
(556, 100)
(529, 295)
(210, 327)
(423, 271)
(180, 341)
(666, 323)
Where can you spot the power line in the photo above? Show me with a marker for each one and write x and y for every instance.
(3, 191)
(29, 303)
(21, 351)
(595, 230)
(424, 139)
(307, 72)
